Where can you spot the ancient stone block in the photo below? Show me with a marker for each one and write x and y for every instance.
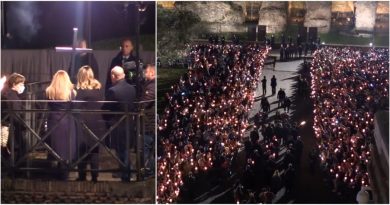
(217, 16)
(365, 15)
(274, 16)
(318, 14)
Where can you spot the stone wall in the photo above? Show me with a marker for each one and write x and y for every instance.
(342, 6)
(365, 15)
(318, 14)
(273, 15)
(217, 16)
(382, 7)
(231, 16)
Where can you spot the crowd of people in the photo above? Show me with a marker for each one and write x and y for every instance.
(348, 86)
(290, 49)
(68, 138)
(271, 161)
(207, 113)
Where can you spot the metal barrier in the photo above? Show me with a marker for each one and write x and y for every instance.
(37, 134)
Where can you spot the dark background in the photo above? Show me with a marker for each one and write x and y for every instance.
(35, 25)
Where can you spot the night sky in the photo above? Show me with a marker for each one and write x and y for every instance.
(48, 24)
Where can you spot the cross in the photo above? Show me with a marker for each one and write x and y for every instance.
(74, 50)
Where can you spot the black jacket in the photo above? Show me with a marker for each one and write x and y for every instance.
(121, 92)
(273, 82)
(93, 121)
(148, 92)
(9, 94)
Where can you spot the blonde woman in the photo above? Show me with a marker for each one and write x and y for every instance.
(89, 89)
(63, 137)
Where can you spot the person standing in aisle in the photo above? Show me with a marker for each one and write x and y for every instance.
(264, 83)
(273, 85)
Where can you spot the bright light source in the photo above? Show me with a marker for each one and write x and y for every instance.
(302, 123)
(370, 44)
(75, 29)
(2, 82)
(323, 43)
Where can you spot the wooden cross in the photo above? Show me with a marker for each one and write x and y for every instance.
(74, 50)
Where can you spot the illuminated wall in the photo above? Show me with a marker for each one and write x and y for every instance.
(166, 4)
(342, 6)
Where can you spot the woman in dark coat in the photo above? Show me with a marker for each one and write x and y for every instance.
(89, 89)
(12, 91)
(63, 137)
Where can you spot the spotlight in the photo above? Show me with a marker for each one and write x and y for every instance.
(2, 82)
(302, 123)
(75, 29)
(370, 44)
(323, 43)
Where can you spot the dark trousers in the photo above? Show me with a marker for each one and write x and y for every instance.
(264, 90)
(92, 158)
(273, 90)
(122, 150)
(149, 152)
(280, 102)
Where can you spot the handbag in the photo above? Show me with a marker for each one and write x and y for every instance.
(4, 135)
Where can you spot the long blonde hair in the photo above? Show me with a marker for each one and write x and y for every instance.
(86, 79)
(60, 87)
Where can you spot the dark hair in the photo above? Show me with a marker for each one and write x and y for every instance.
(14, 79)
(126, 39)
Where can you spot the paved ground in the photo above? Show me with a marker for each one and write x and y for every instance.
(284, 73)
(309, 188)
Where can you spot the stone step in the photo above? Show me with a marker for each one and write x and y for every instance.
(39, 197)
(76, 189)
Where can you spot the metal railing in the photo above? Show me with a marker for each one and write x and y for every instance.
(33, 118)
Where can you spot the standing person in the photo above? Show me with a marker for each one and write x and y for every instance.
(125, 95)
(273, 85)
(299, 51)
(306, 48)
(265, 104)
(14, 87)
(63, 137)
(124, 59)
(276, 182)
(149, 84)
(281, 58)
(82, 59)
(300, 87)
(272, 40)
(298, 145)
(289, 40)
(286, 104)
(312, 160)
(264, 83)
(289, 178)
(283, 39)
(299, 40)
(149, 94)
(281, 96)
(89, 89)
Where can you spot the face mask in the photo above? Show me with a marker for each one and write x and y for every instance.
(21, 89)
